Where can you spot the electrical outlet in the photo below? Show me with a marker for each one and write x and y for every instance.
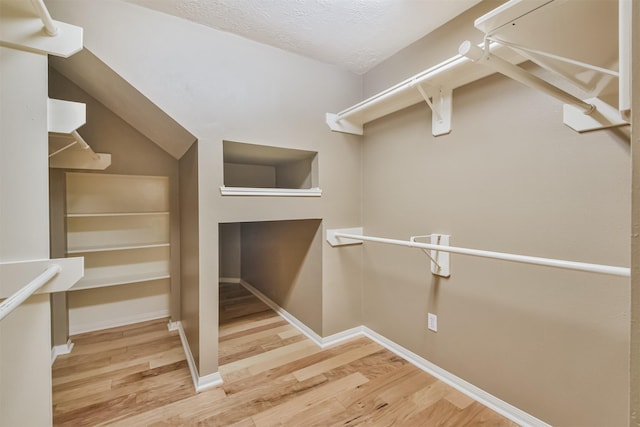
(432, 322)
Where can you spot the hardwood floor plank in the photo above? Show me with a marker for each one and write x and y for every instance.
(271, 359)
(282, 413)
(177, 413)
(136, 375)
(342, 359)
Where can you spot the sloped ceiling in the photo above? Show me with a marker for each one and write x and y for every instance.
(115, 93)
(353, 34)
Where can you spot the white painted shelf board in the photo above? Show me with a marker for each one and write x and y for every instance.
(108, 214)
(116, 248)
(450, 74)
(540, 26)
(89, 283)
(287, 192)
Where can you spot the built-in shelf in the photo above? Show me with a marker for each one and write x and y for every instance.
(260, 170)
(90, 283)
(116, 248)
(120, 224)
(114, 214)
(282, 192)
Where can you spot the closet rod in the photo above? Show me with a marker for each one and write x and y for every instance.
(549, 262)
(477, 54)
(49, 26)
(27, 290)
(408, 84)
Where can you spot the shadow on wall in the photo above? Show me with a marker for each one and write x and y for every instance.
(282, 259)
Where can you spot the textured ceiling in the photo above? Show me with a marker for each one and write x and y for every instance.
(353, 34)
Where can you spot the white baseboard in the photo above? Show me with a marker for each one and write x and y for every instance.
(199, 383)
(310, 333)
(500, 406)
(114, 323)
(229, 280)
(59, 350)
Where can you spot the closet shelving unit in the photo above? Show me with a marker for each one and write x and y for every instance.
(590, 55)
(433, 86)
(67, 149)
(120, 224)
(571, 39)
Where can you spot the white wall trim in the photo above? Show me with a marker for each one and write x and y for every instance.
(310, 333)
(60, 350)
(114, 323)
(199, 383)
(500, 406)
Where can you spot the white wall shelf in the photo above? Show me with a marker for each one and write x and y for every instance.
(91, 283)
(433, 86)
(67, 149)
(114, 214)
(22, 28)
(593, 57)
(282, 192)
(120, 223)
(90, 249)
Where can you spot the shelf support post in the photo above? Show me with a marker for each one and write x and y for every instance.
(441, 107)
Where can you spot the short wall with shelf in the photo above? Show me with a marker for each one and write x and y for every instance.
(259, 170)
(120, 225)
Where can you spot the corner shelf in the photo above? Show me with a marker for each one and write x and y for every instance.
(120, 224)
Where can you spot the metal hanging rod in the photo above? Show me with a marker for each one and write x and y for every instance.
(27, 290)
(549, 262)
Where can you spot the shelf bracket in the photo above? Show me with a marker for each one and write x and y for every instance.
(580, 115)
(440, 260)
(441, 107)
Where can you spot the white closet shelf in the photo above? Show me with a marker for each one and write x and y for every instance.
(67, 149)
(433, 86)
(593, 57)
(286, 192)
(89, 249)
(113, 214)
(89, 283)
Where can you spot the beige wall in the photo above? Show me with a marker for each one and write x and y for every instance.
(510, 177)
(223, 87)
(133, 154)
(283, 260)
(230, 251)
(189, 248)
(25, 340)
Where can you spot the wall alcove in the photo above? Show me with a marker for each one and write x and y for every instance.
(281, 260)
(251, 169)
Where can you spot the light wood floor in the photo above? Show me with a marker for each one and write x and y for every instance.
(273, 375)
